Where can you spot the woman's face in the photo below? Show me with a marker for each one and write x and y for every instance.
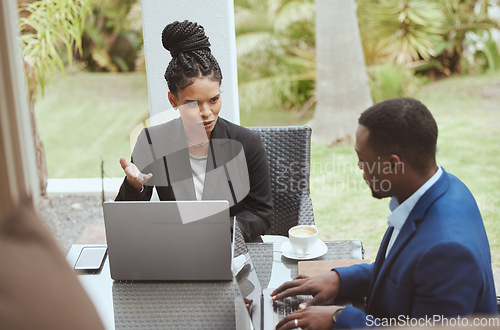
(199, 105)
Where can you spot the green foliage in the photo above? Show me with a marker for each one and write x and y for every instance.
(463, 18)
(276, 40)
(485, 55)
(47, 27)
(113, 36)
(276, 60)
(401, 31)
(389, 81)
(430, 34)
(491, 54)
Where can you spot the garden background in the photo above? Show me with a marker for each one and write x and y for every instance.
(443, 53)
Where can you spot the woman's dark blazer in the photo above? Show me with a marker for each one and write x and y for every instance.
(235, 152)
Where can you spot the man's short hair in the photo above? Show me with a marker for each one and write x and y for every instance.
(402, 126)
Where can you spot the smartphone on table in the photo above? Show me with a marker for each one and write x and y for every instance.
(91, 259)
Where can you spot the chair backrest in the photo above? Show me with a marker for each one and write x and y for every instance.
(288, 150)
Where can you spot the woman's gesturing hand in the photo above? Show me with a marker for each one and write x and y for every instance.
(134, 176)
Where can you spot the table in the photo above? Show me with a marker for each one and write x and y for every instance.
(189, 305)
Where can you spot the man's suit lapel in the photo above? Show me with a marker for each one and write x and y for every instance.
(408, 230)
(379, 260)
(405, 234)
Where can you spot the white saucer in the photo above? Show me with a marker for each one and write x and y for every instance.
(319, 250)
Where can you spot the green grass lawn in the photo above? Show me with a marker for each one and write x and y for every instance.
(468, 146)
(87, 116)
(90, 115)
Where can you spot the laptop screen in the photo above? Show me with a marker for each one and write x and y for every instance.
(167, 240)
(249, 290)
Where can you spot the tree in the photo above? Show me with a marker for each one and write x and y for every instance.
(276, 60)
(341, 81)
(112, 38)
(48, 27)
(429, 35)
(400, 32)
(461, 19)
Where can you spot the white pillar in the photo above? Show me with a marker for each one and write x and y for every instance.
(217, 17)
(19, 178)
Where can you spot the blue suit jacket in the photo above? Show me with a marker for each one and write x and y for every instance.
(440, 264)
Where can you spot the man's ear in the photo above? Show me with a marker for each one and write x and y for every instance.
(396, 163)
(172, 99)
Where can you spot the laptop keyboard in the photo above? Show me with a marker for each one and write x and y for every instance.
(287, 306)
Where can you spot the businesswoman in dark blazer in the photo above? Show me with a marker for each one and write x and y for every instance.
(200, 155)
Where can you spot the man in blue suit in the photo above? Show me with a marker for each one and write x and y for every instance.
(434, 261)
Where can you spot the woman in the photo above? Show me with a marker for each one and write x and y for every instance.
(200, 155)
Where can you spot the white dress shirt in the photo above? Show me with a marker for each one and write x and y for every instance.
(401, 212)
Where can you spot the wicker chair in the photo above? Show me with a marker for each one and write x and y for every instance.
(288, 150)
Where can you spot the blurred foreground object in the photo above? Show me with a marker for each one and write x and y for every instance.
(36, 280)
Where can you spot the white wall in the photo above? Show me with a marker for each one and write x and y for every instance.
(217, 17)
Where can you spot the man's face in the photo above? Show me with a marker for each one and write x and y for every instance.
(376, 168)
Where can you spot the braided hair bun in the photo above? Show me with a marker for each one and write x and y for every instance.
(184, 37)
(191, 56)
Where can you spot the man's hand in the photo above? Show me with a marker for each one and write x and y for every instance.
(312, 317)
(324, 288)
(134, 176)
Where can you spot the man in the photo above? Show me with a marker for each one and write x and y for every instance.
(434, 258)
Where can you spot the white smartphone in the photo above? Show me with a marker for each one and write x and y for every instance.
(91, 258)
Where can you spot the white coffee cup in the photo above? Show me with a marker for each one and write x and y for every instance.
(303, 239)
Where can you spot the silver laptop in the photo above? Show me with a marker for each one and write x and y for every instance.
(161, 240)
(254, 308)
